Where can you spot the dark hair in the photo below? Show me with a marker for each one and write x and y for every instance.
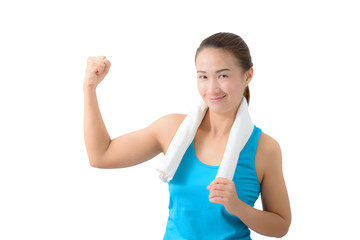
(234, 44)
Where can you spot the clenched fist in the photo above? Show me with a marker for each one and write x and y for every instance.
(96, 70)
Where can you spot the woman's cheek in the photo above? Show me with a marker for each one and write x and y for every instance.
(201, 87)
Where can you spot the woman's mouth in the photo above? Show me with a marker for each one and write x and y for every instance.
(216, 99)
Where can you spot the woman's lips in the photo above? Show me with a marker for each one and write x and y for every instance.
(216, 99)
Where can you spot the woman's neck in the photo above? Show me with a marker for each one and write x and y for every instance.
(218, 125)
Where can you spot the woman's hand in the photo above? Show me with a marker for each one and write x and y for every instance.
(223, 191)
(96, 70)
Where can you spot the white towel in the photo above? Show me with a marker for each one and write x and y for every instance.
(240, 133)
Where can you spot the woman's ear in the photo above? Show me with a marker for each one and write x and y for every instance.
(248, 75)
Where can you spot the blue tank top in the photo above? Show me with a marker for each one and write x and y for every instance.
(192, 215)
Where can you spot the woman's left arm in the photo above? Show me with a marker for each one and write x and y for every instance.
(275, 218)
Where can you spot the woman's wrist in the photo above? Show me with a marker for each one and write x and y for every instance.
(239, 209)
(89, 87)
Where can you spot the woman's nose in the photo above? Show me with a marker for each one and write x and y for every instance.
(213, 85)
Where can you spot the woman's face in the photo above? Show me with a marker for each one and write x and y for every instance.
(221, 81)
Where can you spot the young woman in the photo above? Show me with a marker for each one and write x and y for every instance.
(210, 209)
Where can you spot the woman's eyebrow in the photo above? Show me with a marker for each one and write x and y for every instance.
(221, 70)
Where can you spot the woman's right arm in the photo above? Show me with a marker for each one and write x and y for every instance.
(124, 151)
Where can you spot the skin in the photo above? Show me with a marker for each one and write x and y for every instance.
(210, 140)
(275, 219)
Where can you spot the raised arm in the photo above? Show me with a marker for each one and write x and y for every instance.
(97, 139)
(129, 149)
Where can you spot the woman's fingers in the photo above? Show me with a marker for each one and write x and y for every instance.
(96, 70)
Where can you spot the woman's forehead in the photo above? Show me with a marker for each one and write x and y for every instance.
(214, 59)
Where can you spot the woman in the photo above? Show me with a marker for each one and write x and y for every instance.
(211, 209)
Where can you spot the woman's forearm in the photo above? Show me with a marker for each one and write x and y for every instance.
(97, 139)
(262, 222)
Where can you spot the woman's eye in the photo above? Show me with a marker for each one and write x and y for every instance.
(223, 76)
(202, 76)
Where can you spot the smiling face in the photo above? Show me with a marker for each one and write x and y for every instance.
(221, 81)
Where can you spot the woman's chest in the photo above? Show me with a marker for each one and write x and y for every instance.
(209, 151)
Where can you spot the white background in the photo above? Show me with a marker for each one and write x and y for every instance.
(304, 94)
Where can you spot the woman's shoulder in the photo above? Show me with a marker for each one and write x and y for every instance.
(166, 127)
(267, 144)
(268, 154)
(170, 121)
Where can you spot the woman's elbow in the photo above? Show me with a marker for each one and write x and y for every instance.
(284, 229)
(95, 163)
